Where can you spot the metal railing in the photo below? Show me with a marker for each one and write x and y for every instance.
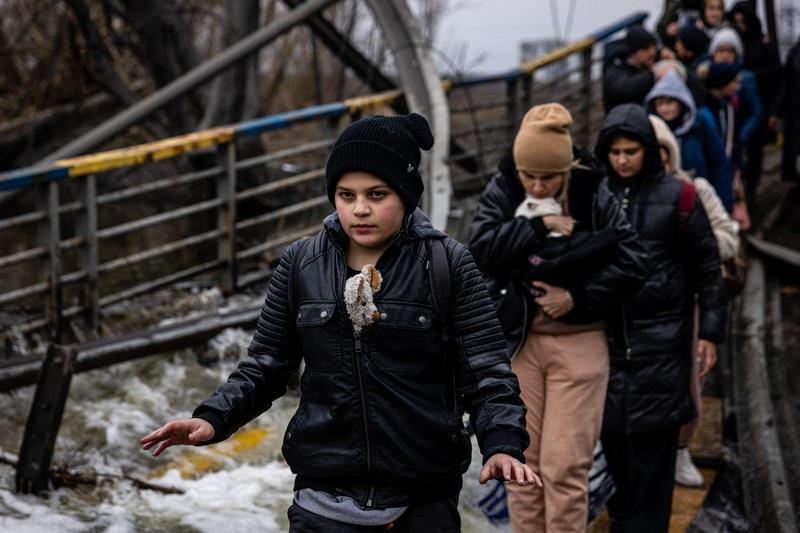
(85, 253)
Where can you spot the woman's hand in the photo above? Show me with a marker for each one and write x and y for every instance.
(556, 302)
(672, 29)
(501, 465)
(185, 431)
(667, 53)
(559, 224)
(706, 356)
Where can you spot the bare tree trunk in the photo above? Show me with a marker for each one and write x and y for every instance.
(341, 79)
(234, 95)
(165, 47)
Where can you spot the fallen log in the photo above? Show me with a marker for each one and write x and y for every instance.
(63, 476)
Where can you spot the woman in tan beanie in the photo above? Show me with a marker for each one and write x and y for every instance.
(555, 330)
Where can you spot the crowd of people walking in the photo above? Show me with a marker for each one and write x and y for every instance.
(586, 306)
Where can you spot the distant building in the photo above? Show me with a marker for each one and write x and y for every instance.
(530, 50)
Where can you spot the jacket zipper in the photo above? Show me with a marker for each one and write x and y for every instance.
(357, 361)
(628, 209)
(357, 357)
(625, 336)
(362, 392)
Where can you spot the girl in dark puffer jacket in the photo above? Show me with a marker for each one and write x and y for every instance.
(650, 342)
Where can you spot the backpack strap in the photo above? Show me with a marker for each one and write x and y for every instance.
(439, 280)
(685, 206)
(297, 260)
(439, 277)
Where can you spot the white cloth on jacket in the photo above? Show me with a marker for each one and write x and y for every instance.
(539, 207)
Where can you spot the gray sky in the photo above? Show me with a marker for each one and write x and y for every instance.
(496, 27)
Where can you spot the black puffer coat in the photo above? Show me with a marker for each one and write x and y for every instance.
(761, 56)
(501, 244)
(378, 408)
(651, 342)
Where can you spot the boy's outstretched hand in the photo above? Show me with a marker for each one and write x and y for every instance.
(503, 466)
(186, 431)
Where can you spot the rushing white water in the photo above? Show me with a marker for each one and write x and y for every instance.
(236, 486)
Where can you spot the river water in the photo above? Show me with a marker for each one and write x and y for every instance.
(239, 485)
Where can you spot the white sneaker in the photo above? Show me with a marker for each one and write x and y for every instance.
(686, 473)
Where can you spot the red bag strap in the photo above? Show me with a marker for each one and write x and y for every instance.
(685, 206)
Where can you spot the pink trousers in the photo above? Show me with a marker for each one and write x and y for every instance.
(563, 379)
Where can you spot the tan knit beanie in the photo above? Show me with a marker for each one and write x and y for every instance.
(543, 143)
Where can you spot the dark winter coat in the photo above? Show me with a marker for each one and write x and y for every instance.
(789, 111)
(624, 83)
(702, 152)
(650, 342)
(378, 408)
(502, 243)
(761, 56)
(747, 114)
(751, 111)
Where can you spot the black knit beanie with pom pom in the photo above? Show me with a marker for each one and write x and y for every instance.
(389, 148)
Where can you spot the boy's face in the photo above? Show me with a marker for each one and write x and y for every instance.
(369, 210)
(725, 54)
(541, 185)
(667, 108)
(644, 57)
(626, 157)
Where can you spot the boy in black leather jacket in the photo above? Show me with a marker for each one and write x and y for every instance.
(378, 439)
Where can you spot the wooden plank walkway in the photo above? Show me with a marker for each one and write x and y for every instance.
(706, 448)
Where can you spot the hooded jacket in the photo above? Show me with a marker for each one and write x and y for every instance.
(725, 230)
(701, 147)
(378, 410)
(650, 341)
(761, 56)
(502, 243)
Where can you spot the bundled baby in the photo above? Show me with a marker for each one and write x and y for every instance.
(544, 161)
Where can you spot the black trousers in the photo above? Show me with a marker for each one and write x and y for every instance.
(643, 467)
(436, 517)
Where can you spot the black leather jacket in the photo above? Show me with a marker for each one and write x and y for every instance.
(501, 244)
(650, 343)
(378, 408)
